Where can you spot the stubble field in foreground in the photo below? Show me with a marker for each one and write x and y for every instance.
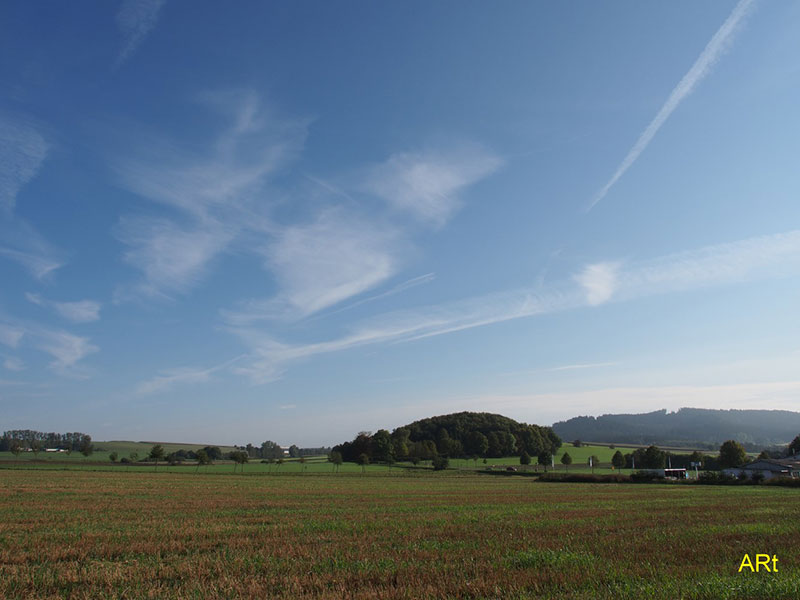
(81, 534)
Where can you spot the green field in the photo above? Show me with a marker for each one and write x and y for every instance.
(133, 533)
(580, 457)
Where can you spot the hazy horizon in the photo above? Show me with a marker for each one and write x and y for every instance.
(298, 221)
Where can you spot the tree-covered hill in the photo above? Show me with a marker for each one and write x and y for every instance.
(464, 434)
(688, 426)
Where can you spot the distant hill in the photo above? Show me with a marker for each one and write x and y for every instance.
(688, 426)
(458, 435)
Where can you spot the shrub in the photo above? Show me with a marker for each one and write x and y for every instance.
(716, 478)
(783, 481)
(440, 463)
(646, 476)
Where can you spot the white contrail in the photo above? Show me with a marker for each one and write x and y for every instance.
(700, 69)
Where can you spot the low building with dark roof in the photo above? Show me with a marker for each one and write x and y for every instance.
(767, 468)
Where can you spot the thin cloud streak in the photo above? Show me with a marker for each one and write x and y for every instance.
(82, 311)
(182, 375)
(762, 257)
(710, 55)
(23, 149)
(12, 363)
(135, 20)
(400, 287)
(582, 366)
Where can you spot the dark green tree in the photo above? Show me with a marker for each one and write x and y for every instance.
(294, 451)
(86, 447)
(477, 443)
(794, 446)
(270, 449)
(113, 457)
(382, 446)
(618, 460)
(566, 460)
(202, 459)
(239, 457)
(363, 460)
(545, 458)
(214, 452)
(649, 458)
(731, 454)
(336, 458)
(524, 458)
(400, 442)
(156, 454)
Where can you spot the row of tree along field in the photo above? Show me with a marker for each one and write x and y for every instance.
(17, 440)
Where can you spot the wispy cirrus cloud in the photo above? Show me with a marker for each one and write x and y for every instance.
(341, 253)
(171, 257)
(755, 258)
(10, 334)
(181, 375)
(218, 197)
(714, 50)
(81, 311)
(321, 263)
(66, 349)
(135, 20)
(12, 363)
(427, 184)
(23, 149)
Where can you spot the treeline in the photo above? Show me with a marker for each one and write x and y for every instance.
(653, 457)
(270, 449)
(731, 454)
(28, 439)
(459, 435)
(699, 427)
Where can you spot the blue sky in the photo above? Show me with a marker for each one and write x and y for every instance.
(296, 221)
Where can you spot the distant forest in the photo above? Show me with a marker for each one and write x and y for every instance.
(39, 440)
(464, 434)
(696, 427)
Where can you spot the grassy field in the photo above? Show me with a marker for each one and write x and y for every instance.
(138, 534)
